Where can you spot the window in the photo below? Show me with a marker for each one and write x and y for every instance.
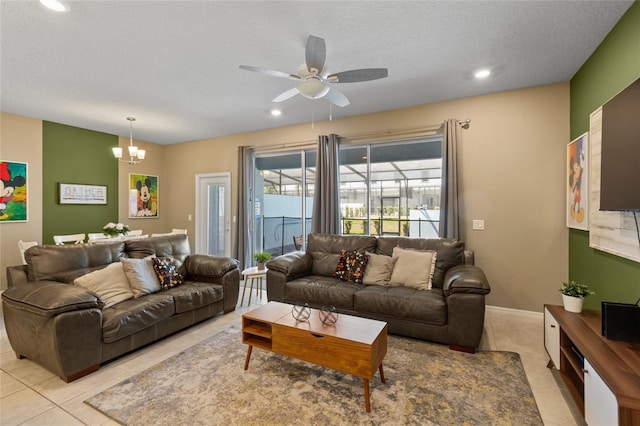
(391, 188)
(283, 185)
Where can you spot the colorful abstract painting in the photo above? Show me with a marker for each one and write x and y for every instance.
(13, 191)
(577, 182)
(143, 196)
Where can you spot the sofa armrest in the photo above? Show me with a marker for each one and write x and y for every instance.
(217, 270)
(16, 275)
(286, 268)
(465, 279)
(292, 265)
(202, 267)
(50, 298)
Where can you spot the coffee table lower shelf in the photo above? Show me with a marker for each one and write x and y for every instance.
(353, 345)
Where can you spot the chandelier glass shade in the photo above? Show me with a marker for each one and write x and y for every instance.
(135, 155)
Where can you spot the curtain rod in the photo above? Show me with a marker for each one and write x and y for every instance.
(427, 130)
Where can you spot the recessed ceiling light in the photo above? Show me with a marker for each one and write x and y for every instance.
(276, 112)
(482, 74)
(55, 5)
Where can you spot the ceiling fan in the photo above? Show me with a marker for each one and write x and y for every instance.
(313, 83)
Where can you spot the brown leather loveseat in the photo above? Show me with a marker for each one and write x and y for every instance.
(68, 329)
(451, 311)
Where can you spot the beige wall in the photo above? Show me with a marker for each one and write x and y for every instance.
(153, 164)
(21, 140)
(513, 159)
(512, 156)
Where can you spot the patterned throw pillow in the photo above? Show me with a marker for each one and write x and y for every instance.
(167, 273)
(351, 266)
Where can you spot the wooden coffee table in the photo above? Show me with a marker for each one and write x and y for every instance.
(353, 345)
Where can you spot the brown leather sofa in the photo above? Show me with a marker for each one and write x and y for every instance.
(451, 312)
(66, 328)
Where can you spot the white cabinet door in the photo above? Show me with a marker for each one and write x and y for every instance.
(552, 338)
(600, 405)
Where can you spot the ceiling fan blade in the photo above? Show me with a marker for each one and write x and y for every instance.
(286, 95)
(336, 98)
(353, 76)
(272, 73)
(315, 54)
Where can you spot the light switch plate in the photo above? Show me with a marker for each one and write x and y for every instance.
(478, 224)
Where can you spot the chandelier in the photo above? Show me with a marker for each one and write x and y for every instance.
(135, 155)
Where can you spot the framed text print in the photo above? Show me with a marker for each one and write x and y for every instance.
(71, 193)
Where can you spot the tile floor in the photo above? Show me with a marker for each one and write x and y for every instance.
(31, 395)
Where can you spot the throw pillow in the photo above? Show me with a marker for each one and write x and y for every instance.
(379, 268)
(167, 272)
(141, 275)
(413, 268)
(110, 283)
(351, 266)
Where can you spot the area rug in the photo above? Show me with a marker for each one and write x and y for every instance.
(426, 384)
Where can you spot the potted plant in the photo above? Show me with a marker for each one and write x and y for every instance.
(261, 257)
(573, 295)
(115, 229)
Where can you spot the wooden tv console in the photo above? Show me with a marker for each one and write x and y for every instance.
(602, 375)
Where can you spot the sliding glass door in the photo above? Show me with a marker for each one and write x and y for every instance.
(282, 199)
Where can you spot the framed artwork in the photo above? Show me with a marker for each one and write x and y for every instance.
(71, 193)
(577, 183)
(13, 191)
(143, 196)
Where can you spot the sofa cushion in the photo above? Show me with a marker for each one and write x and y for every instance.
(110, 283)
(166, 271)
(351, 266)
(319, 290)
(176, 246)
(134, 315)
(427, 306)
(66, 263)
(325, 250)
(141, 275)
(413, 268)
(450, 252)
(193, 295)
(378, 271)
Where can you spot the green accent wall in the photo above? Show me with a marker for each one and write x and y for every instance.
(613, 66)
(75, 155)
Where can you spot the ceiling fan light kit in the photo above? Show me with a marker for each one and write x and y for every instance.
(313, 88)
(313, 84)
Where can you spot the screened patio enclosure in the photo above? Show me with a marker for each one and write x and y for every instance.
(388, 188)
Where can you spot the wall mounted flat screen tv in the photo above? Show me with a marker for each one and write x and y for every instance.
(620, 164)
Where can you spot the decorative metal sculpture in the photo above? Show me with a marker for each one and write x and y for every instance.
(301, 312)
(328, 314)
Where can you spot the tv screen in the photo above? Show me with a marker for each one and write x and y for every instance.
(620, 164)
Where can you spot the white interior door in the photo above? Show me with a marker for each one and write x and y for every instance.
(213, 211)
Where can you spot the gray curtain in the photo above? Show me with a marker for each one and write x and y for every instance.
(449, 211)
(244, 200)
(326, 199)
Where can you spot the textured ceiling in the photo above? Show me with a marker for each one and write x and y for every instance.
(174, 64)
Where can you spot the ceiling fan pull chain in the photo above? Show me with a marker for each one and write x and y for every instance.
(330, 113)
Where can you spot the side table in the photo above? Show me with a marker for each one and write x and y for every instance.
(253, 276)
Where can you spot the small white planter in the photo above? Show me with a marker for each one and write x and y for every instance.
(572, 304)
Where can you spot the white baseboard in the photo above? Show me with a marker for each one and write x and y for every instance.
(515, 311)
